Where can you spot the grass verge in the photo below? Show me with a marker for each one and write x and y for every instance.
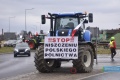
(6, 50)
(103, 51)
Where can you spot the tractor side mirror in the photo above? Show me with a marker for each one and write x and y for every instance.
(43, 19)
(90, 17)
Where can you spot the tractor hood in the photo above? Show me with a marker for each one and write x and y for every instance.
(64, 32)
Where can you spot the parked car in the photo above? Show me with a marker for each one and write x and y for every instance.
(12, 43)
(19, 41)
(6, 43)
(22, 49)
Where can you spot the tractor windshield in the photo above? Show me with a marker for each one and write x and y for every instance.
(66, 23)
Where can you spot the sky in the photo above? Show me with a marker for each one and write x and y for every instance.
(106, 13)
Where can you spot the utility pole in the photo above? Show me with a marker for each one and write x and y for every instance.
(96, 43)
(25, 18)
(9, 22)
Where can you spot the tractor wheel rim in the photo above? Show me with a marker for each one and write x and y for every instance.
(87, 58)
(49, 62)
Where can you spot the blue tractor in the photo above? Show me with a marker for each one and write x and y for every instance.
(67, 25)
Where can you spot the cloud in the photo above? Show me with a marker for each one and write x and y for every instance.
(106, 12)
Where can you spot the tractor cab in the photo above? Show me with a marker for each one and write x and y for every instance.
(64, 24)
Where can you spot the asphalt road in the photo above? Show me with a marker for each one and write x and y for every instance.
(104, 76)
(10, 66)
(22, 68)
(104, 60)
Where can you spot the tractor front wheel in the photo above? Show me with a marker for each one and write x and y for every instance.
(43, 65)
(85, 60)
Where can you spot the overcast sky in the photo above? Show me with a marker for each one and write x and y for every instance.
(106, 13)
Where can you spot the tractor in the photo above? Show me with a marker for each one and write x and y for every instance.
(34, 41)
(68, 40)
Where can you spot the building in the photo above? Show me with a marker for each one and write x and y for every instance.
(9, 36)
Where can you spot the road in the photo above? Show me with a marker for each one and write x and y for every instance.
(105, 61)
(104, 76)
(10, 66)
(22, 68)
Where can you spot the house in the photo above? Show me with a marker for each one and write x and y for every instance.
(9, 35)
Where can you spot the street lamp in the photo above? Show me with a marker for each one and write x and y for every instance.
(9, 22)
(25, 18)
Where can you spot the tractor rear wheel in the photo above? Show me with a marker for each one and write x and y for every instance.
(43, 65)
(85, 60)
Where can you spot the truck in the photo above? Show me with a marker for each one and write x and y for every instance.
(68, 40)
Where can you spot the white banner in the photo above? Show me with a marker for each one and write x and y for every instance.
(61, 47)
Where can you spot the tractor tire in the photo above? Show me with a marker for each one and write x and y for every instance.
(43, 65)
(31, 44)
(84, 63)
(57, 64)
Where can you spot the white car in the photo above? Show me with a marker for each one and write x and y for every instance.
(11, 43)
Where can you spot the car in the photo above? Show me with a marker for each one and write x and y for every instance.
(16, 42)
(22, 49)
(9, 43)
(12, 43)
(19, 41)
(6, 43)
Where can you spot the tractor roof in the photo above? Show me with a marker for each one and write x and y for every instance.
(67, 14)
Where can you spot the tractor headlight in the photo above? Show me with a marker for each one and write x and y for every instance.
(16, 50)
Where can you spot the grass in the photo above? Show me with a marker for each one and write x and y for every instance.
(6, 50)
(103, 51)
